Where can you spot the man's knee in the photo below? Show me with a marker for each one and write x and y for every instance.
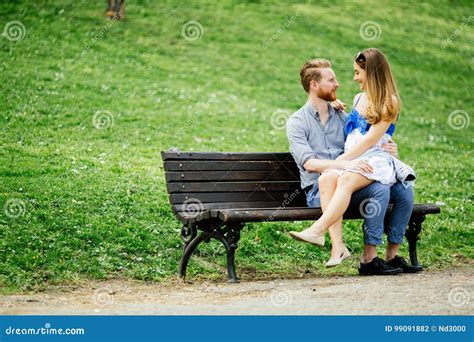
(401, 195)
(379, 191)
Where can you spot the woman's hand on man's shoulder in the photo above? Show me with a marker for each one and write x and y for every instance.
(338, 104)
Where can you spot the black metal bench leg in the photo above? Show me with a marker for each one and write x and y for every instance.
(231, 266)
(230, 236)
(188, 233)
(414, 228)
(189, 250)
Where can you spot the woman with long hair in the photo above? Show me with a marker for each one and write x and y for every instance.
(370, 124)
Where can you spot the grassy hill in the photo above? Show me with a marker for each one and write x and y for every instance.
(87, 105)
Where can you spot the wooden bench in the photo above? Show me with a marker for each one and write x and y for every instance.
(215, 194)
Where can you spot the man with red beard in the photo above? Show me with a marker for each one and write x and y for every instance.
(316, 136)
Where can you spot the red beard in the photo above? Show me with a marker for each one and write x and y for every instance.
(326, 95)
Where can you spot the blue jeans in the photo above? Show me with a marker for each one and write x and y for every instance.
(372, 202)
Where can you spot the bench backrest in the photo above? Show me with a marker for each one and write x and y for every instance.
(200, 181)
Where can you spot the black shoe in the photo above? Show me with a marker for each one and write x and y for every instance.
(378, 267)
(401, 263)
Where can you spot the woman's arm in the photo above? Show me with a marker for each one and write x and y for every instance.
(370, 139)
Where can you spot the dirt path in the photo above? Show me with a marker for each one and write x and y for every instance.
(427, 293)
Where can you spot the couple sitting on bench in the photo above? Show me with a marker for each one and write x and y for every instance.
(351, 161)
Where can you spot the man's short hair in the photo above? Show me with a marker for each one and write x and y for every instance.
(311, 71)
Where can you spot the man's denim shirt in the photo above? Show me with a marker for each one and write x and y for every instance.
(308, 139)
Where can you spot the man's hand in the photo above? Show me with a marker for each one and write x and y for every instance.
(338, 104)
(359, 165)
(391, 147)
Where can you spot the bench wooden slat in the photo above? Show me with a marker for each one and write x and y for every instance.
(301, 213)
(426, 208)
(233, 186)
(284, 214)
(279, 156)
(259, 215)
(205, 197)
(230, 176)
(192, 218)
(193, 206)
(234, 165)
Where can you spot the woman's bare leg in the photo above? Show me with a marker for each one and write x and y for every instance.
(347, 184)
(327, 186)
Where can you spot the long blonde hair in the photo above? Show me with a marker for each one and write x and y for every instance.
(383, 99)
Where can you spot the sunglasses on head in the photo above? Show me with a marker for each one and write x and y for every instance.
(360, 56)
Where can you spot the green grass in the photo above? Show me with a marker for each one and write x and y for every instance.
(95, 203)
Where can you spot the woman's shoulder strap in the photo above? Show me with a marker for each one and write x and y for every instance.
(357, 98)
